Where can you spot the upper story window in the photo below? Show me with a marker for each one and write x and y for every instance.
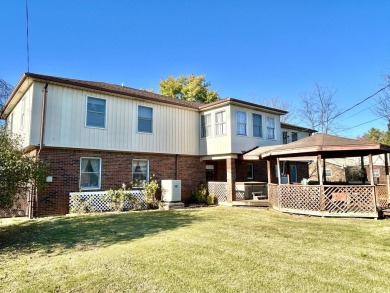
(257, 125)
(96, 112)
(376, 173)
(241, 123)
(205, 121)
(140, 172)
(220, 123)
(270, 128)
(328, 173)
(145, 119)
(90, 173)
(294, 136)
(285, 137)
(22, 112)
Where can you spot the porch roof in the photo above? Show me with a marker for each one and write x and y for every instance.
(329, 146)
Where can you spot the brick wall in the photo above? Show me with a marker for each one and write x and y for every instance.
(116, 169)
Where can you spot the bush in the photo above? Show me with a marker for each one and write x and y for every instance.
(82, 205)
(199, 194)
(150, 190)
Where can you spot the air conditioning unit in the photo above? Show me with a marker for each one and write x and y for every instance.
(171, 190)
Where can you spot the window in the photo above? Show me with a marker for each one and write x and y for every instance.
(328, 173)
(96, 112)
(257, 125)
(140, 172)
(220, 123)
(376, 173)
(294, 136)
(145, 119)
(270, 128)
(241, 123)
(23, 105)
(11, 122)
(205, 121)
(90, 171)
(249, 171)
(285, 137)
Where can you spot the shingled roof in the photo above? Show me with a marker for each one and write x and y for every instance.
(103, 87)
(329, 146)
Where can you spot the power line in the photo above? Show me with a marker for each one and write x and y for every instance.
(361, 102)
(28, 49)
(363, 123)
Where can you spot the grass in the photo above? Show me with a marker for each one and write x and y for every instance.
(195, 250)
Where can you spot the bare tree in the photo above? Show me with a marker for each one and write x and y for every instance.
(277, 103)
(382, 108)
(319, 109)
(5, 91)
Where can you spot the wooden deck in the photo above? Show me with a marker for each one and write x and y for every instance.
(251, 203)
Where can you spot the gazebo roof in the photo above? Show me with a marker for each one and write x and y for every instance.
(328, 146)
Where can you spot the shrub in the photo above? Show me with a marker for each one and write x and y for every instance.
(210, 199)
(81, 205)
(199, 194)
(150, 190)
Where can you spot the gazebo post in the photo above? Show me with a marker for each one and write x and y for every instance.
(362, 169)
(324, 170)
(278, 167)
(372, 179)
(319, 165)
(387, 177)
(288, 171)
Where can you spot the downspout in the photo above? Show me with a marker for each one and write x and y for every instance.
(43, 117)
(177, 167)
(33, 194)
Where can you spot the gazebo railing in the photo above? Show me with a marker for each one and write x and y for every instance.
(328, 200)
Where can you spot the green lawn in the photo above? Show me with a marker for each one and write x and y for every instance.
(217, 249)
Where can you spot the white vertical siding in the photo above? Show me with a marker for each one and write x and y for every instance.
(173, 128)
(20, 118)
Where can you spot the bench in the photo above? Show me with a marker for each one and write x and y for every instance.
(258, 195)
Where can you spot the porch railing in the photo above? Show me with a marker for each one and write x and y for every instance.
(329, 200)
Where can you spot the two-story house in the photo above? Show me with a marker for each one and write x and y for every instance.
(96, 136)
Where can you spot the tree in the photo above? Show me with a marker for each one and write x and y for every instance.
(382, 107)
(281, 105)
(18, 172)
(5, 91)
(319, 109)
(188, 87)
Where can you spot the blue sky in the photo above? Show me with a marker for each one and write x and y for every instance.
(250, 50)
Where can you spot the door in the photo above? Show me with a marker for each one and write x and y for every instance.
(293, 173)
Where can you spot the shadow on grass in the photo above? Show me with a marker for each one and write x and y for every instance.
(54, 235)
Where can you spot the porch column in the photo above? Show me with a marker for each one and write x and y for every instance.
(231, 179)
(278, 170)
(268, 175)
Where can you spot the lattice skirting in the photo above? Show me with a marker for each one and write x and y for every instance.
(98, 202)
(219, 189)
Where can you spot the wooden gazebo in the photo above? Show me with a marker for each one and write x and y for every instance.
(321, 198)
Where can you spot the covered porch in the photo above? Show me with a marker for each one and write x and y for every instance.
(322, 198)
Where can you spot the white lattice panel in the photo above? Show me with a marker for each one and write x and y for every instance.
(98, 201)
(299, 197)
(219, 189)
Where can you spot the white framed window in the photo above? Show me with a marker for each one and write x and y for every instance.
(11, 122)
(220, 123)
(257, 125)
(140, 172)
(90, 173)
(95, 113)
(145, 119)
(249, 171)
(205, 125)
(22, 112)
(328, 173)
(270, 128)
(376, 173)
(241, 122)
(294, 136)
